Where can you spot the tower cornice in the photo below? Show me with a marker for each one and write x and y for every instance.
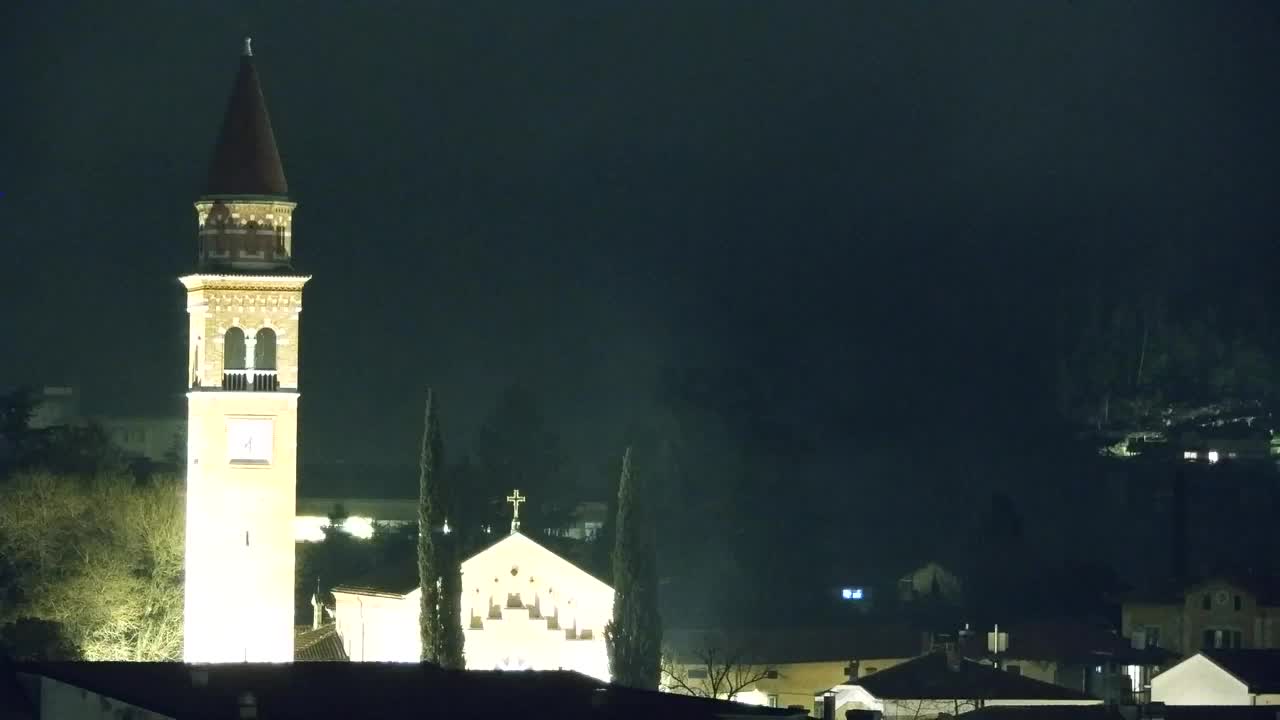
(204, 281)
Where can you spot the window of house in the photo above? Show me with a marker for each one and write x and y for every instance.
(1222, 639)
(773, 701)
(697, 673)
(1236, 600)
(1205, 602)
(771, 674)
(1153, 636)
(870, 670)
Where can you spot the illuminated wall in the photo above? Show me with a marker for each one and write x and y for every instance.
(1198, 681)
(522, 607)
(241, 477)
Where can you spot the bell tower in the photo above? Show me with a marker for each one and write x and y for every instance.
(243, 304)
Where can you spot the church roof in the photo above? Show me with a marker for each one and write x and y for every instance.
(245, 160)
(320, 644)
(399, 576)
(1259, 669)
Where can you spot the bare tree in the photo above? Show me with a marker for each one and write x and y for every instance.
(102, 558)
(713, 668)
(922, 709)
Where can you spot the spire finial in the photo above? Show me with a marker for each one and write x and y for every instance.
(248, 51)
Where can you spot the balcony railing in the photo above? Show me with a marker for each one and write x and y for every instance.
(250, 380)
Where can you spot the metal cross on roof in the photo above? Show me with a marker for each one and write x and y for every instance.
(515, 499)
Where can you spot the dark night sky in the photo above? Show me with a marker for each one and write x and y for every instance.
(868, 203)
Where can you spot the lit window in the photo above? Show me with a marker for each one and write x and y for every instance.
(1190, 455)
(1213, 456)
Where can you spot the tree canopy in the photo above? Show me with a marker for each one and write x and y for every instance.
(99, 557)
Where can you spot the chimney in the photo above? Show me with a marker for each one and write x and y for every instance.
(828, 706)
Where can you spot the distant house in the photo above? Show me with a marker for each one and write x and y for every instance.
(1221, 677)
(304, 691)
(157, 439)
(1080, 656)
(941, 684)
(782, 667)
(930, 581)
(1220, 613)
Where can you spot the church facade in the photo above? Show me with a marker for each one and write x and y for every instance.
(523, 608)
(243, 305)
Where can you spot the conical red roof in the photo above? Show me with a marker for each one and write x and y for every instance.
(246, 161)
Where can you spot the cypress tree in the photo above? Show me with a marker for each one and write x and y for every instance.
(428, 570)
(450, 639)
(634, 635)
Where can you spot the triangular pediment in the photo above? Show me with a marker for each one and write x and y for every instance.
(521, 548)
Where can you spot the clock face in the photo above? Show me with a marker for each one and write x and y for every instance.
(249, 440)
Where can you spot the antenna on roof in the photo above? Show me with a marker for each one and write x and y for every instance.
(248, 51)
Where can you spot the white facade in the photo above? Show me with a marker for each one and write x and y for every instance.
(522, 607)
(1200, 681)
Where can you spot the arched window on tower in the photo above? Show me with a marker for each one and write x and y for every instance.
(264, 350)
(233, 349)
(234, 375)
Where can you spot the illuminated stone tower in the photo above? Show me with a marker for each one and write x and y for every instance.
(242, 417)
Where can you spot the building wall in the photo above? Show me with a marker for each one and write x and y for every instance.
(151, 438)
(216, 303)
(1198, 681)
(1182, 625)
(795, 683)
(239, 536)
(1167, 619)
(240, 516)
(377, 628)
(522, 607)
(525, 606)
